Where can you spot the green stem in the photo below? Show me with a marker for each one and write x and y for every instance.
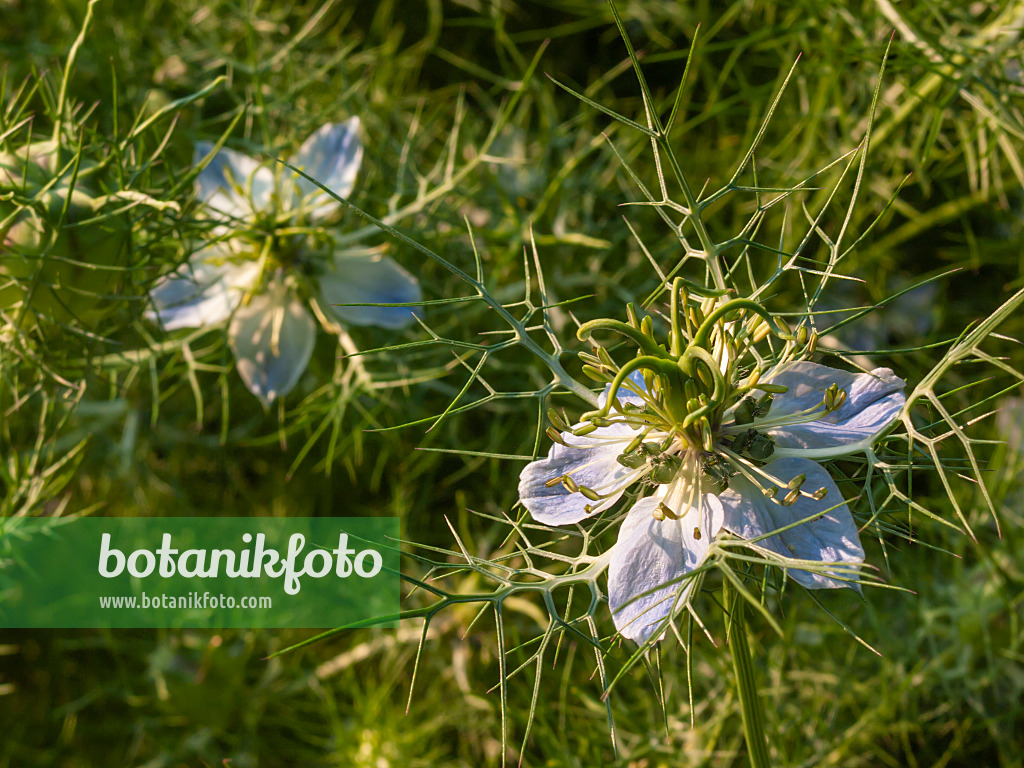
(746, 684)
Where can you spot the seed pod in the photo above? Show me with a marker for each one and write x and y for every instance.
(744, 413)
(631, 460)
(663, 473)
(761, 447)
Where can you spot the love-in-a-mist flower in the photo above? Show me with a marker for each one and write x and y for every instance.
(268, 260)
(718, 440)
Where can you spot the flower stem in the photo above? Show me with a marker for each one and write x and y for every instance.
(746, 685)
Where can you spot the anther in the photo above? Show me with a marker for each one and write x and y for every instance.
(797, 482)
(647, 326)
(820, 494)
(569, 484)
(707, 436)
(557, 421)
(667, 512)
(597, 374)
(775, 389)
(556, 437)
(606, 359)
(553, 482)
(631, 316)
(770, 492)
(812, 344)
(657, 514)
(791, 498)
(802, 335)
(589, 493)
(635, 443)
(696, 534)
(585, 429)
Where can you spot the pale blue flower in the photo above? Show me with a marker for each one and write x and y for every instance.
(761, 476)
(262, 291)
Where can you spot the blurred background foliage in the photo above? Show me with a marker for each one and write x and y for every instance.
(107, 415)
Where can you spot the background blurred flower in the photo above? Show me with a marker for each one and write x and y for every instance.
(259, 275)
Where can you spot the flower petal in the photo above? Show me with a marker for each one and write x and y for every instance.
(627, 390)
(272, 338)
(362, 279)
(232, 184)
(332, 156)
(830, 538)
(651, 552)
(873, 401)
(591, 462)
(204, 291)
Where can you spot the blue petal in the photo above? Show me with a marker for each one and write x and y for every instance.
(648, 554)
(232, 184)
(627, 393)
(202, 292)
(591, 462)
(830, 537)
(332, 156)
(272, 339)
(362, 279)
(874, 400)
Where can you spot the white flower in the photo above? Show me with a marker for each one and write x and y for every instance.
(257, 272)
(758, 477)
